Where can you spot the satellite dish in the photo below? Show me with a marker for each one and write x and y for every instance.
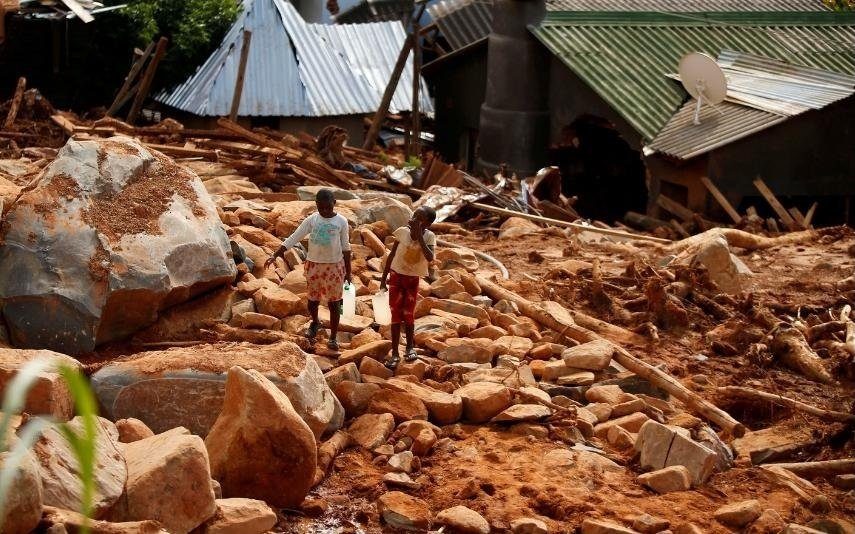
(703, 79)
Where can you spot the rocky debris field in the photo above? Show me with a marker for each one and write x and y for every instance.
(604, 386)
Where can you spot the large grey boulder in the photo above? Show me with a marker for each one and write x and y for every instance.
(186, 386)
(110, 234)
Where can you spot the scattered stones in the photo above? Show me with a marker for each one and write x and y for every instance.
(648, 524)
(64, 521)
(445, 286)
(355, 396)
(377, 350)
(528, 525)
(371, 367)
(168, 481)
(584, 378)
(23, 509)
(769, 522)
(401, 480)
(521, 413)
(277, 302)
(609, 394)
(463, 520)
(725, 269)
(619, 438)
(794, 528)
(444, 408)
(60, 474)
(423, 442)
(661, 446)
(492, 332)
(401, 462)
(513, 345)
(594, 355)
(255, 320)
(467, 353)
(740, 514)
(372, 430)
(596, 526)
(631, 423)
(240, 516)
(259, 446)
(49, 394)
(339, 374)
(844, 482)
(667, 480)
(403, 406)
(484, 400)
(131, 430)
(404, 512)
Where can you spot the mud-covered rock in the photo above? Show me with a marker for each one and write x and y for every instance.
(49, 394)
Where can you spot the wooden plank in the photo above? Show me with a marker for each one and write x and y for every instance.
(17, 135)
(129, 79)
(721, 199)
(751, 211)
(16, 103)
(798, 217)
(776, 205)
(66, 125)
(145, 83)
(555, 222)
(244, 54)
(414, 148)
(675, 207)
(772, 223)
(380, 114)
(78, 10)
(810, 213)
(679, 229)
(182, 152)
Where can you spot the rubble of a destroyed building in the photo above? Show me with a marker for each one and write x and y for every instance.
(569, 379)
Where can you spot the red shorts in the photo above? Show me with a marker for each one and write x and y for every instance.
(403, 291)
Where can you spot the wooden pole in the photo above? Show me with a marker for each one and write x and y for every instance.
(414, 148)
(244, 54)
(654, 375)
(810, 213)
(556, 222)
(721, 199)
(753, 394)
(776, 205)
(129, 79)
(16, 103)
(827, 468)
(380, 114)
(145, 84)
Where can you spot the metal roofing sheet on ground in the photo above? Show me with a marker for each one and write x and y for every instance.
(761, 92)
(292, 69)
(626, 57)
(371, 50)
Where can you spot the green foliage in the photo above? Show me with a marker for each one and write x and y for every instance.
(194, 29)
(82, 444)
(414, 161)
(840, 5)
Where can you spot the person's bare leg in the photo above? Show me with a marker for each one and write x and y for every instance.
(313, 313)
(396, 340)
(335, 314)
(410, 353)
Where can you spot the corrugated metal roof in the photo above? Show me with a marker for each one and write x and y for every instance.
(291, 69)
(761, 92)
(376, 11)
(463, 22)
(371, 50)
(625, 57)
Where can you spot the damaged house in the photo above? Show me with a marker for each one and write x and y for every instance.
(299, 76)
(592, 89)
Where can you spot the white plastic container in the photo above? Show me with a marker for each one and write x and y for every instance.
(380, 305)
(349, 301)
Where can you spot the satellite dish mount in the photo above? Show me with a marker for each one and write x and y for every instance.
(704, 80)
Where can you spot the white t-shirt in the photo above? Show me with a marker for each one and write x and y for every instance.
(327, 237)
(410, 259)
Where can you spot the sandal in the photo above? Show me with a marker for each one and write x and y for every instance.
(312, 332)
(332, 344)
(392, 362)
(410, 355)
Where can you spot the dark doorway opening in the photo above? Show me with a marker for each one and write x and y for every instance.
(600, 168)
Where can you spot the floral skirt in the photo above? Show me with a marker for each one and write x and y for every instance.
(325, 281)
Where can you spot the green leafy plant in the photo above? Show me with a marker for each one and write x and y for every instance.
(840, 5)
(413, 161)
(82, 444)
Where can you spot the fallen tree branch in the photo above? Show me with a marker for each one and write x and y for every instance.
(327, 453)
(753, 394)
(743, 239)
(654, 375)
(790, 346)
(827, 468)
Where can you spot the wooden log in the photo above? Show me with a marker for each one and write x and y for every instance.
(414, 148)
(182, 152)
(790, 346)
(565, 224)
(257, 138)
(827, 468)
(675, 207)
(721, 199)
(145, 83)
(66, 125)
(776, 205)
(810, 213)
(16, 103)
(327, 453)
(389, 92)
(798, 217)
(123, 94)
(755, 395)
(742, 239)
(17, 135)
(244, 54)
(652, 374)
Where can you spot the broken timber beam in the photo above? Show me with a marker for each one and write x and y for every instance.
(125, 91)
(656, 376)
(810, 213)
(377, 121)
(753, 394)
(556, 222)
(145, 83)
(16, 103)
(827, 468)
(782, 213)
(244, 55)
(675, 207)
(721, 199)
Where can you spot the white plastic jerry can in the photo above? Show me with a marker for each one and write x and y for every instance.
(349, 301)
(380, 305)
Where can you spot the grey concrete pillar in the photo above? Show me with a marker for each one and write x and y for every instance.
(514, 120)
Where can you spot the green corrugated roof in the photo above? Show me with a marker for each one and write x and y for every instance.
(625, 57)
